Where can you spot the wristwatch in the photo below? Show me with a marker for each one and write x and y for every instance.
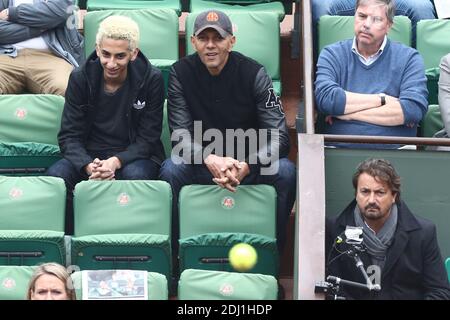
(382, 98)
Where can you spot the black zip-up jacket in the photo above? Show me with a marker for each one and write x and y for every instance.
(240, 97)
(144, 121)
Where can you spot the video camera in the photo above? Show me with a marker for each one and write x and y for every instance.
(353, 240)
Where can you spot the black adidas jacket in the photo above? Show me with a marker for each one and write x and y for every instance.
(145, 123)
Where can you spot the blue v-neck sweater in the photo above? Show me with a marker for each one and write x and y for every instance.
(398, 72)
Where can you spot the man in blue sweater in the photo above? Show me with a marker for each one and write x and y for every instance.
(371, 85)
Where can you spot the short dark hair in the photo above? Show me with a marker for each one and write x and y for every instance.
(381, 170)
(390, 7)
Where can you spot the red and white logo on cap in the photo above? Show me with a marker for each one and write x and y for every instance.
(212, 16)
(123, 199)
(21, 113)
(9, 283)
(15, 193)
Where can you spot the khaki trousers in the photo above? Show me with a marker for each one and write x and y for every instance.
(36, 71)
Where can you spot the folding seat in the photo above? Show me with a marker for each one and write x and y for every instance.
(29, 125)
(336, 28)
(122, 225)
(174, 5)
(433, 43)
(264, 48)
(14, 282)
(279, 8)
(213, 219)
(156, 284)
(432, 122)
(158, 29)
(220, 285)
(32, 220)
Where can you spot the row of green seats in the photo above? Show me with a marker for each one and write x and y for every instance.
(193, 285)
(159, 36)
(279, 7)
(127, 224)
(29, 126)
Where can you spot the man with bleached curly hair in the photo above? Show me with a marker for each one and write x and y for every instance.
(112, 118)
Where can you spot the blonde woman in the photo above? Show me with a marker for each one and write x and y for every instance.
(51, 281)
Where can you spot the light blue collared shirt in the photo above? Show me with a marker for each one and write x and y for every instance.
(368, 61)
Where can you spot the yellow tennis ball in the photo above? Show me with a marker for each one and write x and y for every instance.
(243, 257)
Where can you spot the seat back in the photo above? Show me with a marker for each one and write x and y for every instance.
(120, 207)
(123, 225)
(14, 282)
(210, 209)
(213, 220)
(30, 118)
(29, 125)
(336, 28)
(32, 219)
(220, 285)
(174, 5)
(279, 8)
(32, 203)
(433, 43)
(158, 29)
(265, 49)
(119, 285)
(432, 122)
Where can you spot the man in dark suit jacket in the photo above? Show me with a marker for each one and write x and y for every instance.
(401, 252)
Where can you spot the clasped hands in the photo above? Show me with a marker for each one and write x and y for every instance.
(227, 172)
(103, 169)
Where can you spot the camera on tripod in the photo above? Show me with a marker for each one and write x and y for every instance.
(351, 244)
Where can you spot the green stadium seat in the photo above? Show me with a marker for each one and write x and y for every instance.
(174, 5)
(29, 125)
(220, 285)
(14, 282)
(156, 284)
(232, 6)
(32, 220)
(158, 29)
(336, 28)
(447, 266)
(212, 220)
(432, 122)
(122, 225)
(433, 43)
(265, 49)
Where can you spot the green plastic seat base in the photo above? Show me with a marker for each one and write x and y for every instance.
(156, 248)
(194, 250)
(274, 7)
(27, 157)
(432, 75)
(50, 245)
(219, 285)
(93, 5)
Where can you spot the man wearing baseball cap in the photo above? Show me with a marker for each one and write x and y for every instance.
(217, 91)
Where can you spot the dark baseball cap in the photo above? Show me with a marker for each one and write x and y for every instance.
(215, 19)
